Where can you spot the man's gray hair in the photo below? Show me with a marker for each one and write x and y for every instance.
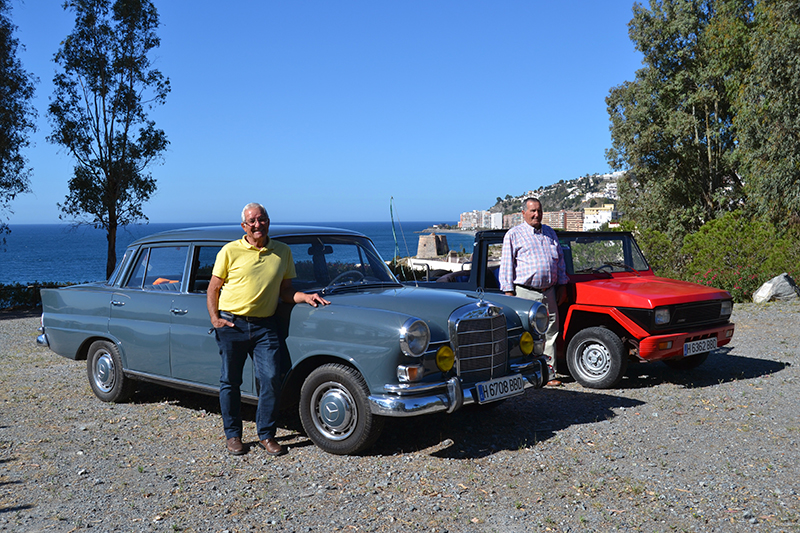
(253, 205)
(531, 199)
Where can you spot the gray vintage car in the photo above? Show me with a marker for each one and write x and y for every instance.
(379, 350)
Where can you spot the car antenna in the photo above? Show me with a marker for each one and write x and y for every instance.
(396, 258)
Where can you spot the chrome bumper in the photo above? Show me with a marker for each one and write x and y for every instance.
(41, 340)
(448, 396)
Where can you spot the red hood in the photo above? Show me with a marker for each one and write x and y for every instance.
(643, 292)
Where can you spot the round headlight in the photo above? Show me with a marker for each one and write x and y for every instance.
(526, 343)
(445, 358)
(538, 317)
(414, 337)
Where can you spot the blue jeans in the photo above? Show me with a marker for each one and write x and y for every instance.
(257, 338)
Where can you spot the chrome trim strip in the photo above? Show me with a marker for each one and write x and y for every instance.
(184, 385)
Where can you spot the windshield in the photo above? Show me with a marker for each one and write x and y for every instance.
(336, 262)
(602, 253)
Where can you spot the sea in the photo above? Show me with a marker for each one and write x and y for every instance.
(62, 253)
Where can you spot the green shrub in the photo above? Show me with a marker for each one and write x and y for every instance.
(663, 253)
(739, 253)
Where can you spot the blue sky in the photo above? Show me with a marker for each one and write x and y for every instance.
(324, 111)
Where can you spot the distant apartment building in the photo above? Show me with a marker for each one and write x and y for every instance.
(594, 217)
(555, 219)
(475, 220)
(574, 221)
(514, 219)
(567, 220)
(496, 221)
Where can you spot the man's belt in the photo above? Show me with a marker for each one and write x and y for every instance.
(230, 317)
(536, 289)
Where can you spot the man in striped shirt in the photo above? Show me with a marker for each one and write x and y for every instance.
(532, 266)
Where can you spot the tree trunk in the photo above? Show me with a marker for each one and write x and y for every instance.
(111, 261)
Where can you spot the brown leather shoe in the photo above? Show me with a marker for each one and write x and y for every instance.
(235, 446)
(554, 383)
(271, 446)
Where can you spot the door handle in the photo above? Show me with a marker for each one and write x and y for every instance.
(178, 311)
(117, 303)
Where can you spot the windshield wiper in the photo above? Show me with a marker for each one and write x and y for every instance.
(362, 284)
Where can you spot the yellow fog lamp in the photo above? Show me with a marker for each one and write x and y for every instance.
(526, 343)
(445, 358)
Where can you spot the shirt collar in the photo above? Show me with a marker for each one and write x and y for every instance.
(267, 245)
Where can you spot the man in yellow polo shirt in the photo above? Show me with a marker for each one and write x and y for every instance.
(248, 278)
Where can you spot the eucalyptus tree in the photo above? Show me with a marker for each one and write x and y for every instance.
(768, 121)
(17, 117)
(672, 127)
(104, 88)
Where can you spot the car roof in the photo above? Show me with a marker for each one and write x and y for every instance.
(233, 232)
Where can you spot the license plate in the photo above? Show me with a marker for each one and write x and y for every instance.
(701, 346)
(496, 389)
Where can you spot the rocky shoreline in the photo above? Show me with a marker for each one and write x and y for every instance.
(711, 450)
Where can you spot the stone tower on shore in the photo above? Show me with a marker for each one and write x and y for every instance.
(431, 246)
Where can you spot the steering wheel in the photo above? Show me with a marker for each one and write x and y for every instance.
(351, 275)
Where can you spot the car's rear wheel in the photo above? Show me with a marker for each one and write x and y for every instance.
(334, 410)
(104, 368)
(596, 359)
(687, 363)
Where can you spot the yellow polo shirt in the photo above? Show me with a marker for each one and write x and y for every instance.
(252, 276)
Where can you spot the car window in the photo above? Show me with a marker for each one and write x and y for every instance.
(112, 279)
(322, 260)
(202, 266)
(494, 253)
(159, 269)
(137, 276)
(607, 253)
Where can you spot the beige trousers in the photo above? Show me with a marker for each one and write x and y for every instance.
(550, 300)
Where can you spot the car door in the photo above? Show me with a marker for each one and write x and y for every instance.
(140, 314)
(194, 354)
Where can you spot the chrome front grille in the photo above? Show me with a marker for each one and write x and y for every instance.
(480, 342)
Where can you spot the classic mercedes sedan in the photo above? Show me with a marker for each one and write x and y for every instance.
(381, 349)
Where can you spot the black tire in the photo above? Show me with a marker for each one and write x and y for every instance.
(104, 369)
(334, 410)
(687, 363)
(596, 358)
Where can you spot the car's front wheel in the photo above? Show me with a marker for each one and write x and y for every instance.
(596, 358)
(104, 368)
(687, 363)
(334, 410)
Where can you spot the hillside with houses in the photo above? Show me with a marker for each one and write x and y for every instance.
(580, 204)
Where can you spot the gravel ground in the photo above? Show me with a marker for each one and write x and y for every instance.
(712, 450)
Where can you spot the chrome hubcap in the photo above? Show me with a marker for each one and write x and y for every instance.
(104, 372)
(335, 413)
